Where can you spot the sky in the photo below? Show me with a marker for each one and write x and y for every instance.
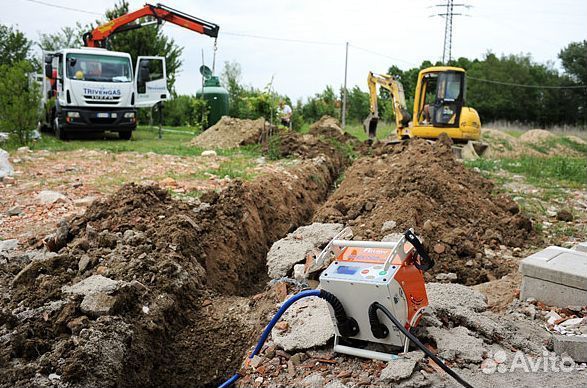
(307, 51)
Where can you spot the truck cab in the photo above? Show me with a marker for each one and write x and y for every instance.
(96, 90)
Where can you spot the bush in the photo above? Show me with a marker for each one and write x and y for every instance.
(183, 110)
(19, 101)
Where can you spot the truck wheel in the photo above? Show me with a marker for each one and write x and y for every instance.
(124, 135)
(59, 130)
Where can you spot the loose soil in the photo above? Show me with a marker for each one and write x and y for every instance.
(420, 185)
(89, 173)
(230, 133)
(181, 316)
(536, 142)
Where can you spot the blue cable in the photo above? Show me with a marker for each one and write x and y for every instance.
(269, 327)
(230, 381)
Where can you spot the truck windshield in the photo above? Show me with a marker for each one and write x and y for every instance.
(103, 68)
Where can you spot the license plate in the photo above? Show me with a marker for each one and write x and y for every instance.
(103, 115)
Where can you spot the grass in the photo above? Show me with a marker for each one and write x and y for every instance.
(384, 130)
(545, 146)
(176, 141)
(514, 132)
(540, 171)
(237, 167)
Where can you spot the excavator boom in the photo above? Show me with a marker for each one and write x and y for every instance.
(396, 89)
(97, 37)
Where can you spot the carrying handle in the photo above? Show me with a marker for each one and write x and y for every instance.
(426, 262)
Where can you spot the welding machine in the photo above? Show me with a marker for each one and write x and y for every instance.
(375, 291)
(364, 274)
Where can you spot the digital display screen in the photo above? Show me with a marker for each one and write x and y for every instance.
(347, 270)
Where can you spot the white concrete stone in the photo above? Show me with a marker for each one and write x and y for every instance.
(92, 285)
(457, 344)
(555, 276)
(97, 304)
(318, 234)
(5, 166)
(48, 196)
(209, 153)
(574, 346)
(284, 254)
(581, 247)
(309, 326)
(8, 245)
(396, 370)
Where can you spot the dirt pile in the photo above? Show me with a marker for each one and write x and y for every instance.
(230, 133)
(421, 185)
(143, 290)
(535, 142)
(536, 136)
(326, 124)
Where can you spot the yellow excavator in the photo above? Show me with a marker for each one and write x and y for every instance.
(439, 107)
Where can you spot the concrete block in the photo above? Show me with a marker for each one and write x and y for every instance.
(552, 294)
(555, 276)
(581, 247)
(574, 346)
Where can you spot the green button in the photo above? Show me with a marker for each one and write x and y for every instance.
(382, 272)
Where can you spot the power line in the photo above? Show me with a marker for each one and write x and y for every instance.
(526, 85)
(64, 7)
(381, 54)
(254, 36)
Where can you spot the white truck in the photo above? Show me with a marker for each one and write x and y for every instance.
(95, 90)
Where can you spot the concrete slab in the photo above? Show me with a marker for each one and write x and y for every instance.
(581, 247)
(556, 276)
(557, 265)
(552, 294)
(574, 346)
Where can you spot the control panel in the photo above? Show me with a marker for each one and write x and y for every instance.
(359, 272)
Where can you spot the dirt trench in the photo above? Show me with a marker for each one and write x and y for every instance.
(420, 185)
(181, 313)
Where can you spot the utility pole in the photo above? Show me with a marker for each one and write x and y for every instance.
(449, 12)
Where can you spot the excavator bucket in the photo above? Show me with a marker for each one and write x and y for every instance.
(480, 147)
(370, 125)
(470, 151)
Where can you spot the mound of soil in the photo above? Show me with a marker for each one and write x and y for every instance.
(535, 142)
(421, 185)
(326, 124)
(230, 133)
(175, 273)
(536, 136)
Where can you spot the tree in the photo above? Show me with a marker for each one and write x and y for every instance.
(14, 46)
(19, 100)
(146, 41)
(68, 37)
(231, 77)
(574, 61)
(358, 104)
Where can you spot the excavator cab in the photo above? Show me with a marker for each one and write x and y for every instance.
(439, 106)
(442, 97)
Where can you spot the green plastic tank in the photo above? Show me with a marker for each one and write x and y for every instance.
(217, 98)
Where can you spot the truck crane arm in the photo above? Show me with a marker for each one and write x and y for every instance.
(396, 89)
(97, 37)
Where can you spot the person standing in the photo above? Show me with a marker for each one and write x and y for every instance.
(284, 111)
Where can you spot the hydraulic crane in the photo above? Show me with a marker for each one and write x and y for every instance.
(98, 36)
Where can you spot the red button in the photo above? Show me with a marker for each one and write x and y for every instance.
(365, 271)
